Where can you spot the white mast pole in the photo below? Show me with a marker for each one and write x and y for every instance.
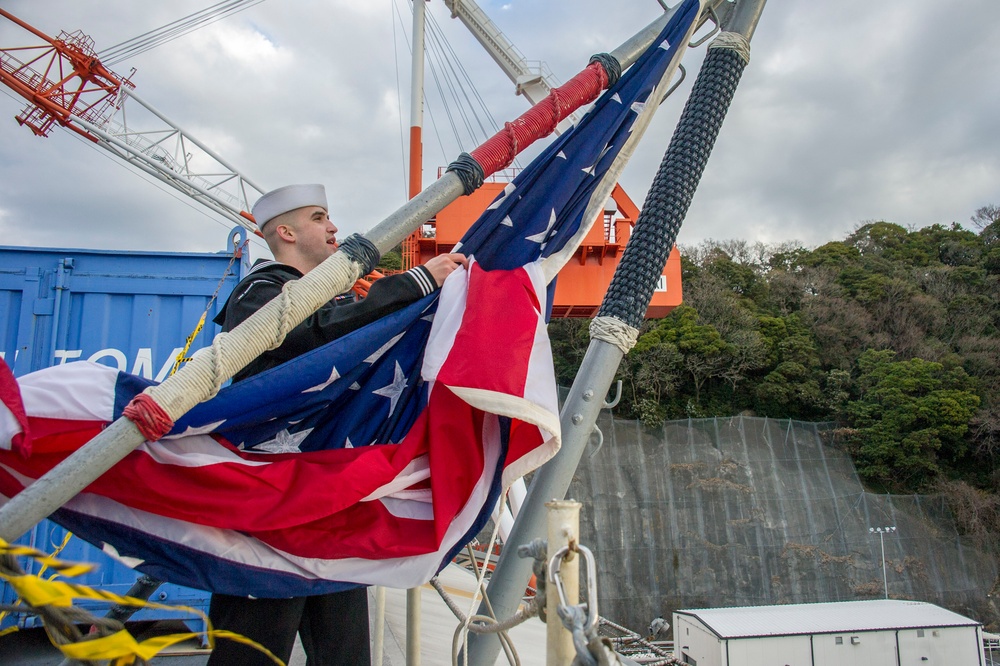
(417, 100)
(416, 178)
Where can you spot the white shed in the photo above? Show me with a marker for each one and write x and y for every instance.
(847, 633)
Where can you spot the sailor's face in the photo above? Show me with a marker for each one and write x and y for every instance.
(318, 235)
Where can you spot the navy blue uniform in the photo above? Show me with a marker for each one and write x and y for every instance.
(333, 627)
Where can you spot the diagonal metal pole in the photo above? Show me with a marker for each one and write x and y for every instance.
(85, 465)
(626, 301)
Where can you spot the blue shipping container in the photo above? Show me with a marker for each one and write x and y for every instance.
(130, 310)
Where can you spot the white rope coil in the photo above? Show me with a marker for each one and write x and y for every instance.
(614, 332)
(266, 329)
(734, 41)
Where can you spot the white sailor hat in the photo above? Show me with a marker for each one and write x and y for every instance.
(284, 199)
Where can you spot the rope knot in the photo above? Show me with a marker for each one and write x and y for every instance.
(469, 171)
(361, 251)
(556, 109)
(147, 415)
(612, 68)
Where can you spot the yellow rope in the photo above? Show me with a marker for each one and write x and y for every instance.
(59, 549)
(183, 357)
(119, 648)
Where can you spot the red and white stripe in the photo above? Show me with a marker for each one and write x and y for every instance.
(384, 514)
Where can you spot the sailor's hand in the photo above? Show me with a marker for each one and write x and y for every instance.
(444, 265)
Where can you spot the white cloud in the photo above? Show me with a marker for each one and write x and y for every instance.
(848, 111)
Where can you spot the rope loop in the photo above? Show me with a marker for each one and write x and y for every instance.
(147, 415)
(285, 298)
(469, 171)
(362, 251)
(218, 371)
(539, 550)
(734, 41)
(612, 68)
(574, 618)
(614, 332)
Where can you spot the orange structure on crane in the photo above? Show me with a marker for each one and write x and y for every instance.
(64, 82)
(60, 78)
(583, 281)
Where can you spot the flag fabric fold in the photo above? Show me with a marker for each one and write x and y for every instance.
(370, 460)
(299, 515)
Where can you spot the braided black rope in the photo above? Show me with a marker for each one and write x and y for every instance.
(469, 171)
(611, 66)
(362, 251)
(673, 188)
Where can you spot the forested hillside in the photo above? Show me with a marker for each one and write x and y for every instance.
(892, 333)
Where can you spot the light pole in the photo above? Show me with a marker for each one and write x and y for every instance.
(882, 531)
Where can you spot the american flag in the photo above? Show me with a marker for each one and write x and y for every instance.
(370, 460)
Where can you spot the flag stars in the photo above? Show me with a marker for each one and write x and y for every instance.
(284, 442)
(394, 390)
(334, 376)
(592, 170)
(383, 349)
(543, 236)
(507, 191)
(637, 108)
(206, 429)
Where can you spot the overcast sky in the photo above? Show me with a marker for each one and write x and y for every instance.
(850, 110)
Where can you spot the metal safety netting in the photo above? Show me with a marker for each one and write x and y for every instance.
(749, 511)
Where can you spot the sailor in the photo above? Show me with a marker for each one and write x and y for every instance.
(296, 225)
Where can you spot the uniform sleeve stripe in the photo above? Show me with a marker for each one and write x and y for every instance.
(423, 279)
(247, 289)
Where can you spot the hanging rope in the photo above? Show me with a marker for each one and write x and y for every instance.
(482, 624)
(182, 357)
(462, 632)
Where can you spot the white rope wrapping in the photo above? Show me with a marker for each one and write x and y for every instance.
(734, 41)
(614, 332)
(266, 329)
(285, 325)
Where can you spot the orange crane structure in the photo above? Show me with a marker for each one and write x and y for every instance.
(582, 283)
(65, 83)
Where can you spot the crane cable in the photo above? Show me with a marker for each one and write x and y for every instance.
(453, 84)
(149, 40)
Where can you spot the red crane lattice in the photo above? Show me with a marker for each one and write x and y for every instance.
(60, 78)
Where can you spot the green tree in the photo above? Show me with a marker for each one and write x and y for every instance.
(704, 354)
(792, 388)
(391, 260)
(909, 416)
(569, 339)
